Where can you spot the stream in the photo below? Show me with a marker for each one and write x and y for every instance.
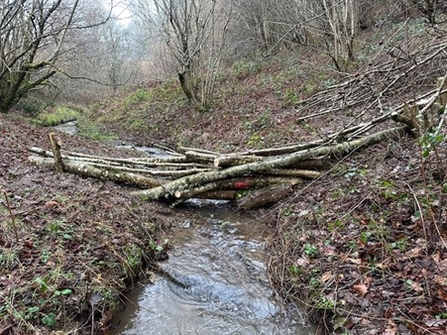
(220, 258)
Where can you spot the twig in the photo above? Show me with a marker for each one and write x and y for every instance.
(11, 215)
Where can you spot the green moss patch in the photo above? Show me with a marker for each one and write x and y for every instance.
(52, 116)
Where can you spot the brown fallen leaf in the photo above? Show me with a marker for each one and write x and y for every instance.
(357, 261)
(326, 276)
(361, 289)
(440, 280)
(435, 322)
(415, 252)
(391, 328)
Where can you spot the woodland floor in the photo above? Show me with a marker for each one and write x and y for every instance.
(70, 241)
(364, 248)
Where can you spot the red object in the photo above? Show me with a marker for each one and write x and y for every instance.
(240, 185)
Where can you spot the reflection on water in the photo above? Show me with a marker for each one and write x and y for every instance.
(221, 259)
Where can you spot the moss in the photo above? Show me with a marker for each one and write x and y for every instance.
(137, 97)
(92, 130)
(52, 116)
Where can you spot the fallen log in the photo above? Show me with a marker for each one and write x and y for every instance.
(232, 184)
(130, 163)
(185, 183)
(91, 171)
(235, 159)
(168, 159)
(200, 157)
(203, 151)
(309, 174)
(161, 173)
(219, 195)
(266, 196)
(311, 164)
(225, 161)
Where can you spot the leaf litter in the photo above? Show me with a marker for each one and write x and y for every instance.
(81, 243)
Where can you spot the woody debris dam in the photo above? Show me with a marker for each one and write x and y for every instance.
(257, 178)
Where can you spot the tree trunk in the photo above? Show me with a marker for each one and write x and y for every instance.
(258, 167)
(91, 171)
(56, 149)
(266, 196)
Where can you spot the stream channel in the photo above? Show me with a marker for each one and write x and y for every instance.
(220, 256)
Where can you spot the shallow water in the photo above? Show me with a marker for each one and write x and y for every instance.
(68, 127)
(221, 259)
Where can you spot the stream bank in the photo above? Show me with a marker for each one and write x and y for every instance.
(69, 246)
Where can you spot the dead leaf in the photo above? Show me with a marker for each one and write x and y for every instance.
(435, 322)
(415, 252)
(443, 264)
(416, 286)
(357, 261)
(436, 257)
(302, 262)
(391, 328)
(52, 204)
(326, 276)
(361, 289)
(440, 280)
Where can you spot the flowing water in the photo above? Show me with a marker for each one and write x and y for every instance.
(68, 127)
(221, 260)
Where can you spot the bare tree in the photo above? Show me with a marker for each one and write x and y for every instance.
(31, 34)
(32, 42)
(341, 28)
(195, 32)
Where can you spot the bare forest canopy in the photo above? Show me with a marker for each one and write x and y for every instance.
(82, 51)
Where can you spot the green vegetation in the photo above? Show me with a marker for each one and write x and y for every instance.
(92, 130)
(52, 116)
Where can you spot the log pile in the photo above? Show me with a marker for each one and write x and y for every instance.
(252, 178)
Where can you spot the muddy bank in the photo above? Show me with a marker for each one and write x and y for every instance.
(68, 245)
(364, 247)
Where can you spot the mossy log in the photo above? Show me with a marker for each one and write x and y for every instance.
(235, 159)
(235, 184)
(189, 182)
(91, 171)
